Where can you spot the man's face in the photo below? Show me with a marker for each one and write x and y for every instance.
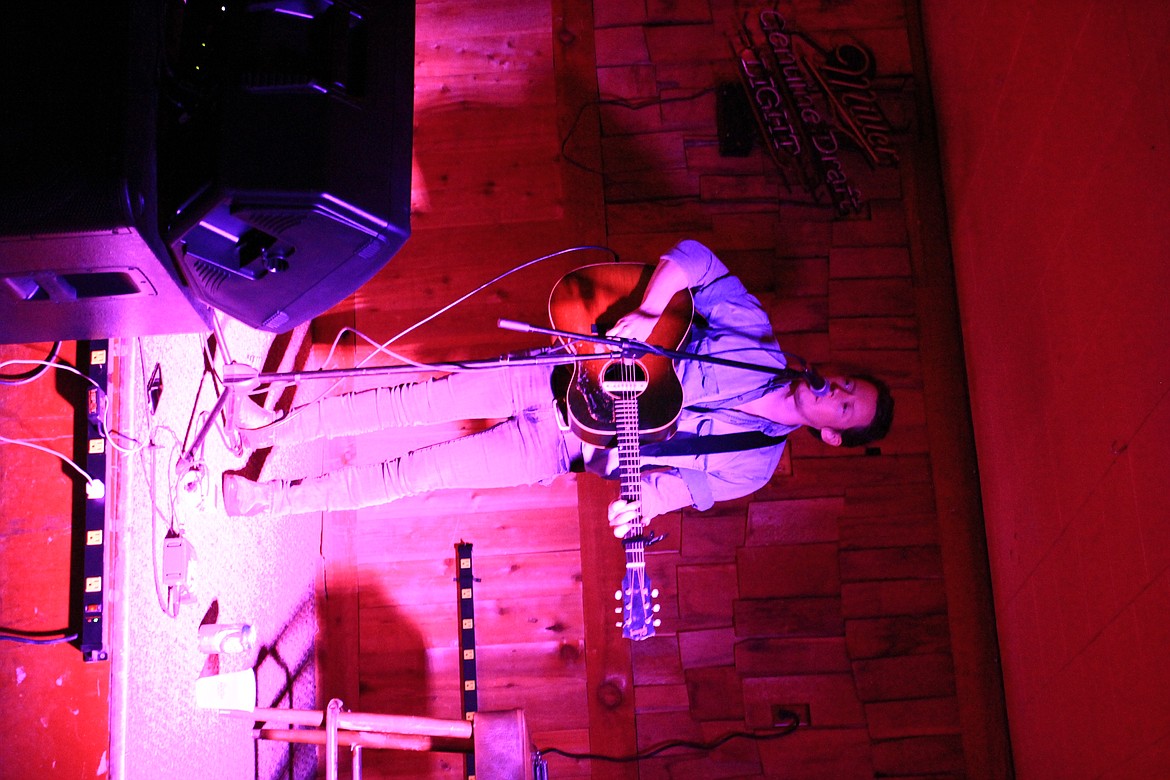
(849, 403)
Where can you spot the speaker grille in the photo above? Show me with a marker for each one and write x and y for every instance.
(211, 277)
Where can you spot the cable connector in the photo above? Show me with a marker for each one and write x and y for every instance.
(95, 490)
(175, 557)
(241, 376)
(96, 403)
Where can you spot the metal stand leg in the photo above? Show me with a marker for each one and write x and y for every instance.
(331, 715)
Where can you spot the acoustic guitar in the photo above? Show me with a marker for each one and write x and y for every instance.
(622, 399)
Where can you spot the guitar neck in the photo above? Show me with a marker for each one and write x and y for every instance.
(630, 468)
(638, 621)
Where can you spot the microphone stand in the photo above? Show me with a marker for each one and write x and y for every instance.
(238, 377)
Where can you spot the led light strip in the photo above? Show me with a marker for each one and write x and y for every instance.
(93, 359)
(467, 675)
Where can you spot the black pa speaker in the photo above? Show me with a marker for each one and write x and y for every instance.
(74, 261)
(285, 150)
(161, 158)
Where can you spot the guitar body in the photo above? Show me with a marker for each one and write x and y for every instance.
(590, 300)
(621, 400)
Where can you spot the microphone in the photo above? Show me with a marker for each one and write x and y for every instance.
(521, 327)
(816, 383)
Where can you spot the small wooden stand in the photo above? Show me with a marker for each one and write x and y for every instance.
(499, 740)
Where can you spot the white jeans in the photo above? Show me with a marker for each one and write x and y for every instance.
(526, 447)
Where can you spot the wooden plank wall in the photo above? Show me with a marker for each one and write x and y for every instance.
(825, 590)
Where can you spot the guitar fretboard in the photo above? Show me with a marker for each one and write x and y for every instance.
(630, 469)
(638, 619)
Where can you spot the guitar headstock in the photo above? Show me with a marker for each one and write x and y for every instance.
(638, 608)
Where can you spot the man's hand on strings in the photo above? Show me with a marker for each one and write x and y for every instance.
(623, 514)
(636, 325)
(668, 278)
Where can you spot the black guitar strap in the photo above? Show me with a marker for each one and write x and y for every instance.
(692, 444)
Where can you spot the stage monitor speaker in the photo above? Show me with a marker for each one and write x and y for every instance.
(161, 157)
(73, 263)
(69, 287)
(284, 160)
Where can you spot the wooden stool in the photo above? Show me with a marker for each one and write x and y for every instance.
(499, 740)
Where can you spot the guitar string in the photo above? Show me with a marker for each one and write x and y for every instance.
(631, 479)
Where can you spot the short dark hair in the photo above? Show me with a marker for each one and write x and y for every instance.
(878, 427)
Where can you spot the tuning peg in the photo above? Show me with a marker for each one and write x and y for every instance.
(617, 594)
(617, 610)
(618, 624)
(654, 593)
(657, 623)
(656, 608)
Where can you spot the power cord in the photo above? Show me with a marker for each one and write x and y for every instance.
(34, 637)
(788, 728)
(35, 373)
(525, 265)
(633, 105)
(94, 487)
(177, 555)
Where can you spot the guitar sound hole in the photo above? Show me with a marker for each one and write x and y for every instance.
(618, 377)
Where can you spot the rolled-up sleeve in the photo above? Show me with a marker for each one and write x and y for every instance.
(720, 298)
(698, 262)
(723, 477)
(667, 491)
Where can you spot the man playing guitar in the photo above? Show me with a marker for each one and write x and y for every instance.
(533, 444)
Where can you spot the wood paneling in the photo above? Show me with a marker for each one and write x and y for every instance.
(545, 124)
(828, 584)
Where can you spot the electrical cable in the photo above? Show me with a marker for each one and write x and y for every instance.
(457, 301)
(382, 347)
(633, 105)
(111, 436)
(788, 728)
(165, 511)
(48, 364)
(64, 458)
(34, 637)
(29, 376)
(166, 602)
(103, 425)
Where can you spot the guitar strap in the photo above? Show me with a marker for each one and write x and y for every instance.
(692, 444)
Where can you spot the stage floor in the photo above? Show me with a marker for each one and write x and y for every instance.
(263, 571)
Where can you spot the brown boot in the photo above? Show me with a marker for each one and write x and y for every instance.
(245, 498)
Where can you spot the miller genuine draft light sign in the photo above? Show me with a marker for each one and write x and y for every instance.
(809, 102)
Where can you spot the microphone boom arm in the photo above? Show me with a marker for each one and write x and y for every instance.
(635, 348)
